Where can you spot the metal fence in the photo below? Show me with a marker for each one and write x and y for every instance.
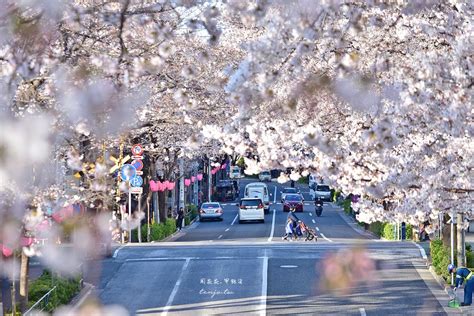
(41, 304)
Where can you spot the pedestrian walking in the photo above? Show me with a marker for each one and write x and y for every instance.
(288, 230)
(463, 275)
(294, 219)
(179, 218)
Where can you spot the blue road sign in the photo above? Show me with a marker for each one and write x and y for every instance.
(137, 181)
(128, 172)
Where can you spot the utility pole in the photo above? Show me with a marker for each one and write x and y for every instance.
(181, 183)
(209, 181)
(452, 245)
(461, 249)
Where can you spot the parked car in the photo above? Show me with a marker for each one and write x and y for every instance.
(265, 176)
(293, 200)
(258, 189)
(211, 210)
(251, 209)
(235, 172)
(225, 191)
(321, 191)
(287, 191)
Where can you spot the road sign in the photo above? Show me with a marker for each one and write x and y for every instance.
(118, 162)
(128, 172)
(136, 190)
(137, 150)
(137, 157)
(138, 164)
(139, 173)
(137, 181)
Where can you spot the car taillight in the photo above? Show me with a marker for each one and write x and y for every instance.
(260, 206)
(201, 211)
(219, 210)
(242, 207)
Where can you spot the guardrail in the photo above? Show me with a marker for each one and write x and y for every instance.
(41, 304)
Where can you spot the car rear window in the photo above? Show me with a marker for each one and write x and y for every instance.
(266, 173)
(253, 202)
(210, 205)
(323, 188)
(289, 190)
(293, 197)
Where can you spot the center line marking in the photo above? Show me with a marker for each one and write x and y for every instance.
(234, 219)
(220, 236)
(275, 195)
(314, 222)
(175, 289)
(310, 214)
(317, 228)
(273, 227)
(362, 311)
(325, 238)
(227, 229)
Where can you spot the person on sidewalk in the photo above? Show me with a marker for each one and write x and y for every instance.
(463, 274)
(179, 218)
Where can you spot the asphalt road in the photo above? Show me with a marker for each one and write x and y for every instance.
(230, 268)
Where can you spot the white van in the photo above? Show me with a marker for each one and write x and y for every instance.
(251, 209)
(235, 172)
(257, 190)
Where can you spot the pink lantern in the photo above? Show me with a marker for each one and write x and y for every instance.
(199, 176)
(223, 166)
(171, 185)
(214, 171)
(153, 186)
(7, 252)
(26, 241)
(193, 178)
(161, 186)
(166, 184)
(187, 182)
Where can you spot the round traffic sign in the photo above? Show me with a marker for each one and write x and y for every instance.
(137, 150)
(137, 181)
(138, 164)
(128, 172)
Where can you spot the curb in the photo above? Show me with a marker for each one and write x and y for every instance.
(170, 237)
(82, 296)
(350, 221)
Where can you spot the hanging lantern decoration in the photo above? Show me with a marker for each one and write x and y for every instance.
(26, 241)
(171, 185)
(153, 186)
(161, 186)
(187, 182)
(199, 176)
(193, 178)
(166, 184)
(214, 171)
(7, 252)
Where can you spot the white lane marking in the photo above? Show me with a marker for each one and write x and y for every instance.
(310, 214)
(314, 222)
(227, 229)
(307, 204)
(263, 298)
(234, 219)
(175, 289)
(273, 227)
(317, 228)
(362, 311)
(422, 251)
(220, 236)
(117, 251)
(325, 238)
(288, 266)
(275, 195)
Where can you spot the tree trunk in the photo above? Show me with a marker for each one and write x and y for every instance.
(24, 273)
(162, 206)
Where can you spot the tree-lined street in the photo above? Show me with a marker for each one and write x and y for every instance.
(230, 268)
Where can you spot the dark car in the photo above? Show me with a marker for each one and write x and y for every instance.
(225, 191)
(293, 200)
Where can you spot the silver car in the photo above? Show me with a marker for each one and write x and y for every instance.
(323, 192)
(211, 210)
